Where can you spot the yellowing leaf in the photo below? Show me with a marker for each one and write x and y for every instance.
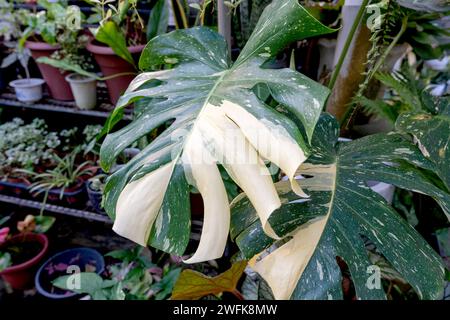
(193, 285)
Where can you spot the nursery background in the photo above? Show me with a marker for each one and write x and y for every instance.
(224, 150)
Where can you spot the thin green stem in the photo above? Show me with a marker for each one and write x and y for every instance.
(350, 111)
(389, 49)
(347, 44)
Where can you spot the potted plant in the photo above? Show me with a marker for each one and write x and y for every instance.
(82, 83)
(124, 37)
(63, 184)
(94, 187)
(19, 254)
(10, 23)
(24, 146)
(131, 276)
(49, 33)
(29, 89)
(63, 263)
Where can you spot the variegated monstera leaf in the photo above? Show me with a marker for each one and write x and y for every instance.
(216, 119)
(341, 210)
(431, 131)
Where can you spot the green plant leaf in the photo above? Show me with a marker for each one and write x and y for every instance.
(340, 209)
(164, 287)
(158, 20)
(432, 134)
(5, 219)
(43, 223)
(216, 119)
(126, 255)
(63, 65)
(90, 283)
(5, 260)
(426, 5)
(110, 34)
(194, 285)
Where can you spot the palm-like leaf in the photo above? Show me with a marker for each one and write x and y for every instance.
(217, 119)
(341, 208)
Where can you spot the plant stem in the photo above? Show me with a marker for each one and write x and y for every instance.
(347, 44)
(350, 111)
(391, 46)
(237, 294)
(27, 72)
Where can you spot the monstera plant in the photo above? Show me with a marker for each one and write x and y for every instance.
(431, 131)
(217, 119)
(340, 211)
(292, 231)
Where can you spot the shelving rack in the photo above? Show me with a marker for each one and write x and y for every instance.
(8, 100)
(55, 209)
(56, 109)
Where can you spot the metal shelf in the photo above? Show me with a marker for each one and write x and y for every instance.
(8, 99)
(55, 209)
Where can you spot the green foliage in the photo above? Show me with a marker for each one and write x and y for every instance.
(5, 260)
(59, 25)
(91, 284)
(407, 92)
(202, 78)
(117, 28)
(158, 20)
(43, 223)
(66, 174)
(110, 34)
(134, 277)
(26, 145)
(340, 209)
(431, 131)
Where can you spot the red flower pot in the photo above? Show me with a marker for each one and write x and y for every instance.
(58, 86)
(111, 64)
(20, 276)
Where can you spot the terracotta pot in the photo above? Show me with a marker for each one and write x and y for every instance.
(58, 86)
(20, 276)
(111, 64)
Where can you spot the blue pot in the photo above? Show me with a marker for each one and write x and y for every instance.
(57, 266)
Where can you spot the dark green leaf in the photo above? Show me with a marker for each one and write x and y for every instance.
(340, 209)
(158, 20)
(203, 96)
(110, 34)
(432, 133)
(43, 223)
(164, 287)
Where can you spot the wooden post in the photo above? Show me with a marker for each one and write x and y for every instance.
(224, 22)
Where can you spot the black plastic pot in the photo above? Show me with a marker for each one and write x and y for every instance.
(12, 188)
(74, 197)
(66, 263)
(95, 198)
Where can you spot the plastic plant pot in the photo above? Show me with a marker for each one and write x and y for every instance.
(20, 276)
(95, 198)
(28, 90)
(65, 263)
(84, 90)
(58, 87)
